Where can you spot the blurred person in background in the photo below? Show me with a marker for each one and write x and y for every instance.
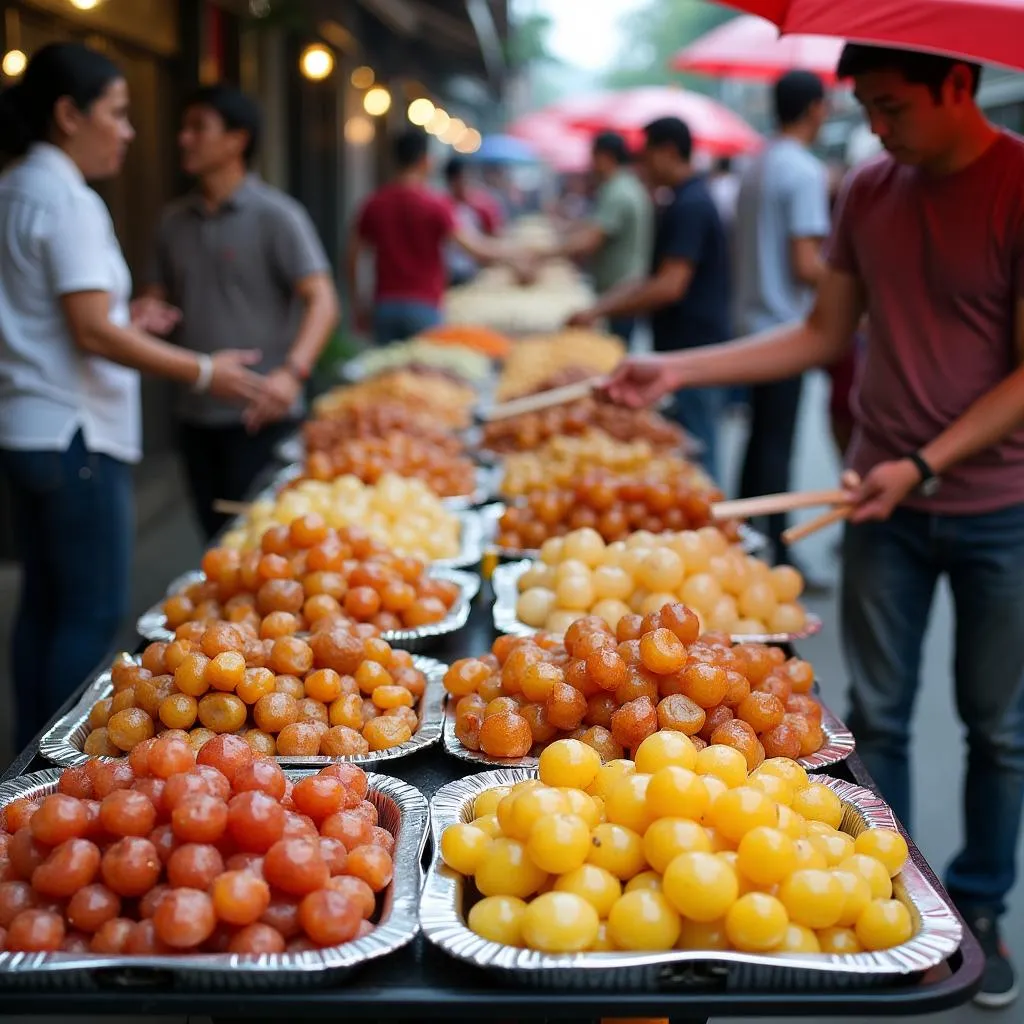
(782, 221)
(616, 236)
(686, 291)
(407, 226)
(473, 212)
(241, 260)
(927, 243)
(70, 356)
(724, 186)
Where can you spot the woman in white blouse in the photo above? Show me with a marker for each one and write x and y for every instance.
(70, 358)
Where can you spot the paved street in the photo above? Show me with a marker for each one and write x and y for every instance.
(169, 545)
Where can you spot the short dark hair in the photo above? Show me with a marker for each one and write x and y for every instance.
(795, 93)
(612, 144)
(410, 148)
(930, 69)
(240, 113)
(670, 131)
(454, 169)
(59, 69)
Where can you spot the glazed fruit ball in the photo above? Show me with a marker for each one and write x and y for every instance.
(730, 591)
(561, 461)
(448, 402)
(404, 515)
(174, 854)
(613, 507)
(308, 576)
(378, 421)
(613, 689)
(525, 432)
(681, 850)
(405, 455)
(338, 693)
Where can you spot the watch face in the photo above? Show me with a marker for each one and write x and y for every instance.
(930, 486)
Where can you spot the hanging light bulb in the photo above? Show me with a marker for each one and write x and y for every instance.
(316, 62)
(377, 101)
(14, 63)
(468, 142)
(85, 5)
(421, 111)
(359, 131)
(456, 126)
(363, 78)
(438, 122)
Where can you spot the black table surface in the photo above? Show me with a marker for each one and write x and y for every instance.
(421, 983)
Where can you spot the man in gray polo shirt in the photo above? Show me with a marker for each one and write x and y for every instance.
(782, 219)
(243, 263)
(618, 235)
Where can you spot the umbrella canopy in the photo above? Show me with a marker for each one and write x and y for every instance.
(988, 31)
(715, 128)
(558, 144)
(505, 149)
(751, 47)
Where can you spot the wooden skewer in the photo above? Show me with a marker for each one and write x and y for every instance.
(230, 508)
(769, 504)
(851, 481)
(543, 400)
(799, 532)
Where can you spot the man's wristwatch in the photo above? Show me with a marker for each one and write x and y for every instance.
(930, 481)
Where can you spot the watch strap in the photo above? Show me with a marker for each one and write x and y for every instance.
(926, 471)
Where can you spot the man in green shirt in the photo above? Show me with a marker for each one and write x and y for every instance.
(618, 236)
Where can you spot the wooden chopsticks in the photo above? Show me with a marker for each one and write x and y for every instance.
(230, 508)
(774, 503)
(542, 400)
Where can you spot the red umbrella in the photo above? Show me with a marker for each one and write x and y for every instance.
(565, 149)
(715, 128)
(988, 31)
(750, 47)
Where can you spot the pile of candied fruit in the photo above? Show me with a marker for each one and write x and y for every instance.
(167, 853)
(613, 689)
(613, 505)
(681, 850)
(308, 576)
(370, 458)
(338, 693)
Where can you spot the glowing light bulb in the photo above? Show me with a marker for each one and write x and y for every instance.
(377, 101)
(316, 62)
(14, 63)
(421, 111)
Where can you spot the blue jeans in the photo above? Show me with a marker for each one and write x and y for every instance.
(622, 327)
(74, 524)
(889, 578)
(698, 410)
(401, 319)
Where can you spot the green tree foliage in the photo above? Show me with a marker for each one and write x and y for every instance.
(528, 41)
(652, 34)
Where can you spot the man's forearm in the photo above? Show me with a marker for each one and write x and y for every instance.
(632, 298)
(319, 318)
(983, 425)
(771, 355)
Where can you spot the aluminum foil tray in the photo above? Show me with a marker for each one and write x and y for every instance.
(751, 541)
(505, 581)
(839, 745)
(443, 903)
(62, 743)
(152, 624)
(402, 811)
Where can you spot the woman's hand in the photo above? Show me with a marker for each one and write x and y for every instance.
(154, 316)
(280, 391)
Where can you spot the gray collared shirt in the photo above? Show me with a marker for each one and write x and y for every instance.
(233, 272)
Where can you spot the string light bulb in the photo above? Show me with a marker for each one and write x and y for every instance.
(359, 131)
(421, 111)
(438, 122)
(456, 126)
(85, 5)
(316, 62)
(468, 142)
(363, 77)
(14, 63)
(377, 101)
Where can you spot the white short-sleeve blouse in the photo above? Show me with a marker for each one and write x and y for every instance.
(57, 238)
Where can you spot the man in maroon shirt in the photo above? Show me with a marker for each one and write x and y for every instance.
(929, 244)
(407, 226)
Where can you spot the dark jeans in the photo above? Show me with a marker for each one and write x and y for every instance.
(224, 462)
(773, 412)
(890, 571)
(399, 320)
(697, 411)
(74, 524)
(622, 327)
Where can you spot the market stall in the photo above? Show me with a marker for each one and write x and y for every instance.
(374, 643)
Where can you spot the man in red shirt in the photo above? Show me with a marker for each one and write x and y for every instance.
(407, 225)
(929, 244)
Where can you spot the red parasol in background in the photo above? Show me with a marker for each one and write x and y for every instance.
(988, 31)
(750, 47)
(715, 128)
(566, 150)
